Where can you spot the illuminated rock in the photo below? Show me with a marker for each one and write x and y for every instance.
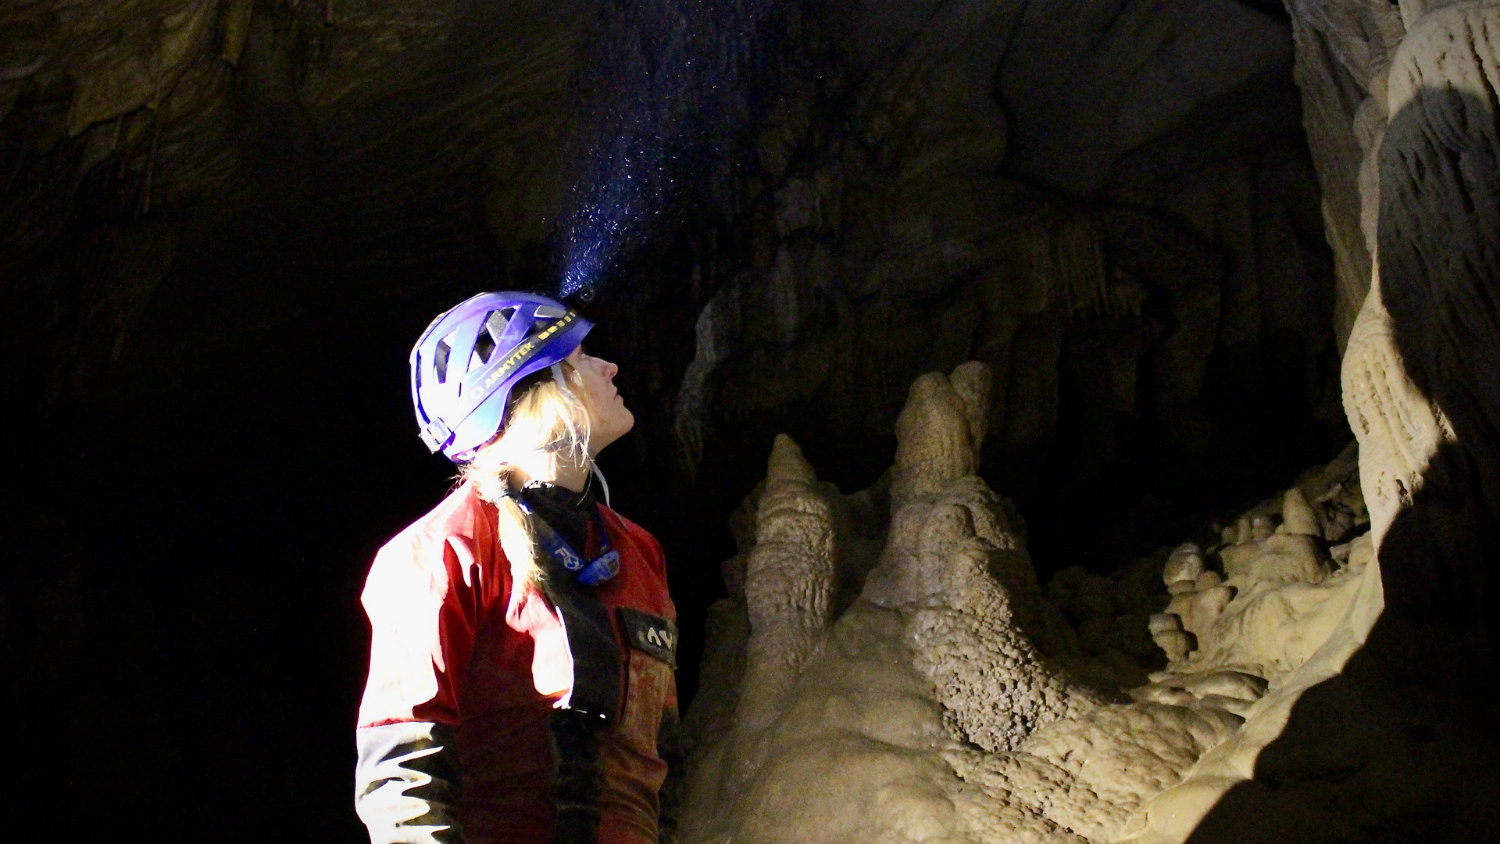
(951, 700)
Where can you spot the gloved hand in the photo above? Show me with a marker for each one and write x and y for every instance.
(669, 798)
(406, 783)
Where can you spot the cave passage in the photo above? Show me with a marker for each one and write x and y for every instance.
(224, 222)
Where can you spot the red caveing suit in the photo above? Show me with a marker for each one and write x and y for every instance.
(455, 742)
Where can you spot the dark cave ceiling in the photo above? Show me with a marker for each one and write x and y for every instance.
(1115, 207)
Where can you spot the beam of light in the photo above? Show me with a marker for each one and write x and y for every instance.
(668, 86)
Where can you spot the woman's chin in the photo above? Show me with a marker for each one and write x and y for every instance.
(604, 435)
(621, 430)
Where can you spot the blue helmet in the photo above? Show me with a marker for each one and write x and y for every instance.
(464, 365)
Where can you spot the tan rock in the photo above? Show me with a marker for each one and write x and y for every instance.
(1301, 633)
(1185, 563)
(1159, 693)
(1261, 528)
(1243, 532)
(1206, 606)
(931, 701)
(1091, 773)
(864, 697)
(1164, 621)
(1280, 558)
(938, 434)
(1233, 705)
(1297, 516)
(1175, 643)
(1397, 427)
(1342, 44)
(1232, 684)
(789, 584)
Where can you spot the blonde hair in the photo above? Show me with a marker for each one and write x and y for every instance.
(547, 417)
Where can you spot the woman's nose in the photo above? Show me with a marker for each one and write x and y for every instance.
(608, 368)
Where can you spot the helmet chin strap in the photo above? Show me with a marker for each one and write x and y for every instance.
(593, 468)
(598, 473)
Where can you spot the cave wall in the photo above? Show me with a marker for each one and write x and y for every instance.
(221, 223)
(1391, 737)
(238, 160)
(1398, 746)
(1117, 208)
(1114, 208)
(1410, 135)
(224, 223)
(893, 652)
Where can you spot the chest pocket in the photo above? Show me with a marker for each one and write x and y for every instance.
(653, 634)
(652, 642)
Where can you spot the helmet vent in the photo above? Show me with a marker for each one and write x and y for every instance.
(495, 323)
(440, 360)
(484, 346)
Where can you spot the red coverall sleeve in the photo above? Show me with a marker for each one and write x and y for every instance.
(422, 599)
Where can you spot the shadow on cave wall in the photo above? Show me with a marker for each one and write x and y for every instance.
(1439, 255)
(1401, 746)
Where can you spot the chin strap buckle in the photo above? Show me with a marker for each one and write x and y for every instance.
(436, 435)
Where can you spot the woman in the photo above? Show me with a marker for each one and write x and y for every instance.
(522, 638)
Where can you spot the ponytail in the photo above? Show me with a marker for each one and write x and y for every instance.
(545, 415)
(518, 541)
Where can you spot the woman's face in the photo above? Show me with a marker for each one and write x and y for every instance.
(610, 419)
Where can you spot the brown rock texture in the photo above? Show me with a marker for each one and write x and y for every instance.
(1343, 50)
(789, 585)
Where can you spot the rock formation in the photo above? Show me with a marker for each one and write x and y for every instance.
(1128, 240)
(1162, 226)
(952, 699)
(789, 585)
(1400, 106)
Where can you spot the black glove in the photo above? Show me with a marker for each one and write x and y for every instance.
(669, 798)
(577, 779)
(406, 783)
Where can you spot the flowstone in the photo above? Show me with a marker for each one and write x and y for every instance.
(926, 688)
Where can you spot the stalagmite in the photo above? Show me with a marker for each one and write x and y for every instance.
(789, 584)
(949, 700)
(1297, 516)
